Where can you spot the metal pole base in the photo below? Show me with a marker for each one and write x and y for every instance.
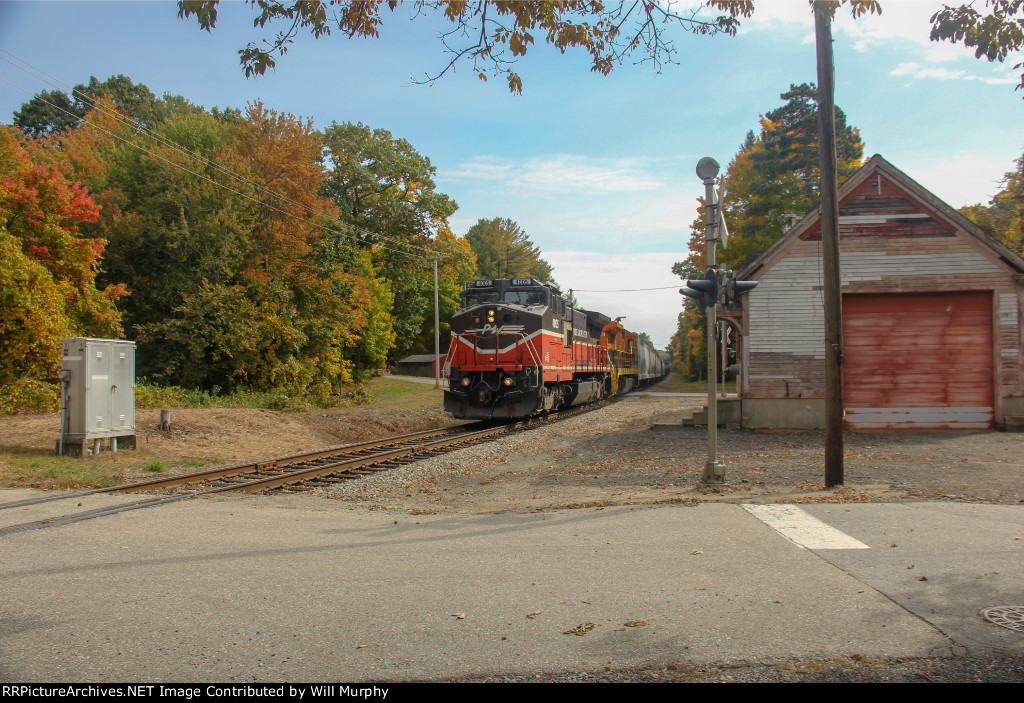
(714, 472)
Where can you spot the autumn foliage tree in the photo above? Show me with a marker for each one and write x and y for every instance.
(1003, 216)
(47, 267)
(773, 179)
(491, 35)
(242, 250)
(384, 188)
(995, 32)
(771, 182)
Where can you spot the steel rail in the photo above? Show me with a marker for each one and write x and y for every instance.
(233, 469)
(344, 468)
(269, 483)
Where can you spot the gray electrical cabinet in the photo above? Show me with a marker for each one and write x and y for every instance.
(97, 395)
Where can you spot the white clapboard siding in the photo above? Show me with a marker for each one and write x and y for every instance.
(787, 310)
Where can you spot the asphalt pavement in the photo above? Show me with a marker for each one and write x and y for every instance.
(303, 588)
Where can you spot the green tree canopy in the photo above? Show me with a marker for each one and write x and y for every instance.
(385, 189)
(53, 112)
(503, 250)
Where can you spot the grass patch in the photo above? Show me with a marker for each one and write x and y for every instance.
(56, 472)
(394, 393)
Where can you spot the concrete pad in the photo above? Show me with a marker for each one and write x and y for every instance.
(944, 562)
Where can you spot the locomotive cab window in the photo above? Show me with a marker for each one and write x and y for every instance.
(479, 297)
(530, 296)
(558, 305)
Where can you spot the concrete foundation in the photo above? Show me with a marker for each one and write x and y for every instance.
(808, 414)
(783, 413)
(1013, 414)
(760, 413)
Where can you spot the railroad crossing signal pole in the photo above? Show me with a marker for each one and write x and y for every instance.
(714, 469)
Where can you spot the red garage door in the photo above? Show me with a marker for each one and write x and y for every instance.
(918, 360)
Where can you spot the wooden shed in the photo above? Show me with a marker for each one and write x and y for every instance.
(418, 365)
(932, 306)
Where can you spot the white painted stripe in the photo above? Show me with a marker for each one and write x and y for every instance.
(801, 528)
(521, 341)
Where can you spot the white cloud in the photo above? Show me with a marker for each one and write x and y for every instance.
(962, 178)
(559, 173)
(567, 173)
(904, 25)
(487, 168)
(567, 201)
(915, 70)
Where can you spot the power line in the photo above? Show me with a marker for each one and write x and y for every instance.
(625, 290)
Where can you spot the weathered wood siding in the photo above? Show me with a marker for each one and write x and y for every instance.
(891, 243)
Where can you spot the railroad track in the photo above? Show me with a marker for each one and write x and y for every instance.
(302, 471)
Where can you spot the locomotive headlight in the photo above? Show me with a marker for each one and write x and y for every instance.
(490, 316)
(465, 381)
(507, 380)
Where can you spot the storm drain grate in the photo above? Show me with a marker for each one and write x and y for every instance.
(1010, 616)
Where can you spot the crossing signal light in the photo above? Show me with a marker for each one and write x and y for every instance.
(703, 290)
(734, 288)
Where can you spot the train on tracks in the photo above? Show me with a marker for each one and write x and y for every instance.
(518, 349)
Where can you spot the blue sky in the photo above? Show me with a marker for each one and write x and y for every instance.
(599, 171)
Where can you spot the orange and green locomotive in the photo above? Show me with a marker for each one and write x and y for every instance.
(518, 348)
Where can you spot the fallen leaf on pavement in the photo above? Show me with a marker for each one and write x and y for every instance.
(581, 629)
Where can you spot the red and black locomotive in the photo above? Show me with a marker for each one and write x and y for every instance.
(517, 349)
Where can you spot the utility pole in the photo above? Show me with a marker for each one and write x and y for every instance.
(714, 470)
(832, 281)
(437, 333)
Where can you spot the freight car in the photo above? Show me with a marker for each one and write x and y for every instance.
(518, 348)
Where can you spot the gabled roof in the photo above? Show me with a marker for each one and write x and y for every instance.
(877, 164)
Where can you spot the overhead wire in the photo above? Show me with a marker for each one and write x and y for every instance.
(625, 290)
(140, 128)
